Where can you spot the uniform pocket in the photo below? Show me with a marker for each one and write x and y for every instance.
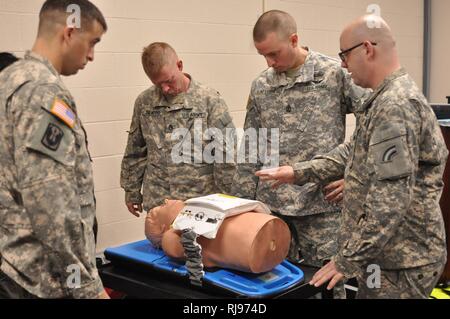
(53, 139)
(389, 153)
(422, 280)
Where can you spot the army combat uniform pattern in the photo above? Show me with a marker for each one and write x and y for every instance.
(47, 204)
(393, 183)
(148, 161)
(309, 109)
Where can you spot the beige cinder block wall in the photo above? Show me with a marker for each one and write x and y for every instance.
(213, 37)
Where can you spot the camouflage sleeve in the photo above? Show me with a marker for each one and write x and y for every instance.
(45, 151)
(134, 161)
(219, 118)
(390, 158)
(245, 182)
(323, 168)
(353, 96)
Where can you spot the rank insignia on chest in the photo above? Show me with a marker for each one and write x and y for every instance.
(52, 137)
(62, 111)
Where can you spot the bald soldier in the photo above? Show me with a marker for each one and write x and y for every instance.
(171, 152)
(393, 176)
(306, 95)
(47, 203)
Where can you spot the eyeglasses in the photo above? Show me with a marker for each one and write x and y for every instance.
(343, 54)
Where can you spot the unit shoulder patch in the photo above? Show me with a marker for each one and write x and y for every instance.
(52, 137)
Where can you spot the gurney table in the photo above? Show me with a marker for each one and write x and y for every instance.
(143, 283)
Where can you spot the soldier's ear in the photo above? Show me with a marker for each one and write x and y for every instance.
(67, 35)
(370, 50)
(293, 39)
(180, 65)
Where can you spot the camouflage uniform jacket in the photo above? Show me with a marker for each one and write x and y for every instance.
(393, 182)
(159, 131)
(47, 204)
(310, 112)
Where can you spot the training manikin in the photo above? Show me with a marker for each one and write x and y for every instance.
(250, 242)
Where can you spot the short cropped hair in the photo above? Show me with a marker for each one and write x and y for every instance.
(56, 11)
(156, 56)
(280, 22)
(6, 59)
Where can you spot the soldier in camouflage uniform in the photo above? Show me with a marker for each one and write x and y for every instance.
(393, 176)
(307, 96)
(174, 113)
(47, 204)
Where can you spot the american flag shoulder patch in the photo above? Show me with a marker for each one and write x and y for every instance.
(62, 111)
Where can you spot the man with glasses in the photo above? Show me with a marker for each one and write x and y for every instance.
(392, 237)
(343, 54)
(305, 95)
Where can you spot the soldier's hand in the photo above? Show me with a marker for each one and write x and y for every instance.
(281, 175)
(334, 192)
(327, 273)
(134, 208)
(103, 295)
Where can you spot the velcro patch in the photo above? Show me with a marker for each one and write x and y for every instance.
(62, 111)
(52, 137)
(390, 154)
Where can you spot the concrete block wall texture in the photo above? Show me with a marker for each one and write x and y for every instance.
(213, 38)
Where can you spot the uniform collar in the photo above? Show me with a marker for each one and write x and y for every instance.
(381, 88)
(306, 72)
(33, 56)
(30, 55)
